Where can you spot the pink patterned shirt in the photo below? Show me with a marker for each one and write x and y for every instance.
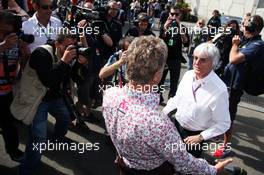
(143, 135)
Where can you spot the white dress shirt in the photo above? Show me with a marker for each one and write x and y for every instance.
(202, 105)
(41, 33)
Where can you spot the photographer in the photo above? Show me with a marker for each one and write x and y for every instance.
(174, 36)
(142, 26)
(42, 25)
(104, 43)
(214, 23)
(223, 42)
(47, 75)
(11, 53)
(86, 77)
(245, 55)
(116, 64)
(112, 28)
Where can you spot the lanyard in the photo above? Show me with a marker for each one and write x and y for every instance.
(194, 91)
(43, 30)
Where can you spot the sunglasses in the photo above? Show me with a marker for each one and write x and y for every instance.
(46, 7)
(174, 14)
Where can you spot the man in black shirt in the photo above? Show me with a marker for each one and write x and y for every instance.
(52, 67)
(141, 27)
(113, 29)
(174, 36)
(214, 23)
(11, 54)
(163, 17)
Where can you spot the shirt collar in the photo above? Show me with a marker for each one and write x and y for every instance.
(203, 80)
(36, 22)
(150, 99)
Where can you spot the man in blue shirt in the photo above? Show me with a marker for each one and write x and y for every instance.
(243, 52)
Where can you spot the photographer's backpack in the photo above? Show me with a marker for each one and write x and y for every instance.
(254, 84)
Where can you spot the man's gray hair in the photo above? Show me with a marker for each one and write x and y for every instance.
(210, 50)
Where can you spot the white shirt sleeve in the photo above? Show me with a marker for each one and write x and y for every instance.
(171, 105)
(172, 102)
(220, 117)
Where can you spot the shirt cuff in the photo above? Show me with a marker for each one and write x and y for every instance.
(206, 135)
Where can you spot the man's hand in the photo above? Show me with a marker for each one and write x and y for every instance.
(193, 139)
(10, 41)
(220, 165)
(236, 40)
(82, 24)
(122, 59)
(69, 54)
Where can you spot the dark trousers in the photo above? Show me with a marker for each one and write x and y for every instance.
(165, 169)
(195, 150)
(84, 90)
(7, 120)
(38, 132)
(234, 99)
(174, 66)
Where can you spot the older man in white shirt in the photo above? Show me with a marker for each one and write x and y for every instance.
(42, 25)
(201, 101)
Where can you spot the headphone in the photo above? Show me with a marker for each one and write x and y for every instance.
(251, 27)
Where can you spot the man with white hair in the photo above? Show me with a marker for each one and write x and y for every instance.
(201, 101)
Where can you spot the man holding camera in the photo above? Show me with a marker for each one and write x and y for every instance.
(174, 37)
(245, 54)
(51, 72)
(11, 53)
(112, 28)
(42, 25)
(141, 27)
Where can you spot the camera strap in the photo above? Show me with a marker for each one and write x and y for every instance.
(6, 67)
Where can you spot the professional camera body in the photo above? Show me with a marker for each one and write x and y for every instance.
(86, 52)
(72, 14)
(17, 21)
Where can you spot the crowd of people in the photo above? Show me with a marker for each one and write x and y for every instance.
(37, 78)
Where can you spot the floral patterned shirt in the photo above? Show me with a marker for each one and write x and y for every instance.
(143, 135)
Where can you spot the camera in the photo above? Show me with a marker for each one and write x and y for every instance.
(16, 21)
(86, 52)
(28, 38)
(72, 14)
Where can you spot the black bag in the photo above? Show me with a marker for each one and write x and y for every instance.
(254, 84)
